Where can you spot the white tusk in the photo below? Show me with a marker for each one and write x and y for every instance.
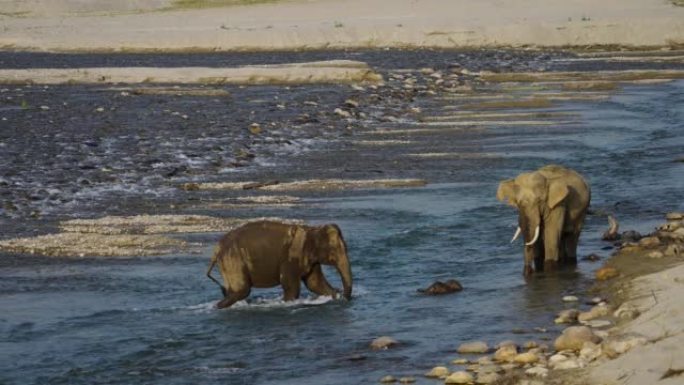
(517, 233)
(534, 240)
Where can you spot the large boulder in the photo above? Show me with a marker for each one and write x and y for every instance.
(574, 337)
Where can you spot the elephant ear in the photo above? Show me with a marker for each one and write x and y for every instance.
(507, 192)
(296, 250)
(558, 191)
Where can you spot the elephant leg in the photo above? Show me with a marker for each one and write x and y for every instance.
(317, 283)
(289, 279)
(236, 276)
(233, 296)
(553, 227)
(570, 241)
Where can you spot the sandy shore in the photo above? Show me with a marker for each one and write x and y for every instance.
(332, 71)
(69, 25)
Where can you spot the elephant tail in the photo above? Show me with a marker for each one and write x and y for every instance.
(214, 259)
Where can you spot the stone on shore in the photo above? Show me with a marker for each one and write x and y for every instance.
(537, 371)
(606, 273)
(388, 379)
(459, 377)
(595, 312)
(474, 347)
(506, 353)
(407, 380)
(383, 343)
(487, 378)
(568, 316)
(574, 337)
(590, 351)
(526, 358)
(438, 372)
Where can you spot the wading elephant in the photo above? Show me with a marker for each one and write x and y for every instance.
(266, 254)
(552, 203)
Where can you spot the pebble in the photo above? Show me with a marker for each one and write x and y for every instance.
(568, 316)
(460, 361)
(570, 363)
(45, 108)
(655, 254)
(537, 371)
(474, 347)
(599, 323)
(342, 113)
(459, 377)
(649, 242)
(487, 378)
(388, 379)
(526, 358)
(438, 372)
(351, 103)
(506, 353)
(484, 360)
(407, 380)
(383, 343)
(255, 128)
(530, 345)
(590, 351)
(595, 312)
(570, 298)
(99, 109)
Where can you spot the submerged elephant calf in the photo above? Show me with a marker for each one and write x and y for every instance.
(266, 254)
(552, 203)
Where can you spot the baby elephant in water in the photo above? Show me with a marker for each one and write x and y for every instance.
(266, 254)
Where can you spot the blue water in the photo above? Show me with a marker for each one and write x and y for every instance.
(150, 320)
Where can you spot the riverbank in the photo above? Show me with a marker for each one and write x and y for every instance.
(163, 26)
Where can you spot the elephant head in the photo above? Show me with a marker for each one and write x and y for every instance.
(325, 245)
(541, 210)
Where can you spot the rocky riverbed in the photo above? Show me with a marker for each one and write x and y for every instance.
(407, 167)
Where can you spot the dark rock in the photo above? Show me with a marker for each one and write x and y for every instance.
(591, 257)
(630, 236)
(437, 288)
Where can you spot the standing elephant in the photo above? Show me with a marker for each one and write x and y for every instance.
(552, 203)
(266, 254)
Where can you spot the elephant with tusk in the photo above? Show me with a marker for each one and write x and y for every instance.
(266, 254)
(552, 203)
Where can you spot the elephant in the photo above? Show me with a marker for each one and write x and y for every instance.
(552, 203)
(439, 288)
(267, 253)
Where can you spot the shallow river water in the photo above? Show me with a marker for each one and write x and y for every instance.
(151, 320)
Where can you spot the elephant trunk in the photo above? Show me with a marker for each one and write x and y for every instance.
(344, 269)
